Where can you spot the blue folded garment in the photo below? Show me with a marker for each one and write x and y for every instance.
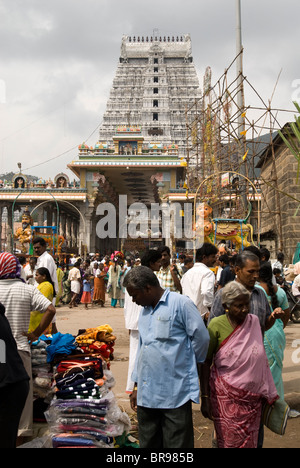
(61, 344)
(107, 439)
(61, 441)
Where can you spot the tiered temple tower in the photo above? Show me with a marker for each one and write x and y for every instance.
(155, 82)
(141, 149)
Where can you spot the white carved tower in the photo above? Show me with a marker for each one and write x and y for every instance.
(155, 83)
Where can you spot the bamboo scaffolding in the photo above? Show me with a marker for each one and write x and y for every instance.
(212, 124)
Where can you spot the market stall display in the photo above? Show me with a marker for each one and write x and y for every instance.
(42, 378)
(82, 410)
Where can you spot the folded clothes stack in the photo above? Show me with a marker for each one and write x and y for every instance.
(84, 412)
(99, 340)
(42, 377)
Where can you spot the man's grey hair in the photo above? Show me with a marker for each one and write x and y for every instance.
(233, 290)
(242, 258)
(139, 277)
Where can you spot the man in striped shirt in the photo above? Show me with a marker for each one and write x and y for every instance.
(19, 299)
(169, 275)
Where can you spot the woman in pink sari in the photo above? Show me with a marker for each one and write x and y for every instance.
(239, 381)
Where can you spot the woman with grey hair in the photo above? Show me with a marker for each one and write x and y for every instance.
(236, 377)
(230, 293)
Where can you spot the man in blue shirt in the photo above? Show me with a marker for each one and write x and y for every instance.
(173, 341)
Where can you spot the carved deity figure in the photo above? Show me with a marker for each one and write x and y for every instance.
(23, 234)
(215, 230)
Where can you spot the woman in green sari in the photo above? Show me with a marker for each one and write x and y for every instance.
(60, 275)
(66, 287)
(274, 339)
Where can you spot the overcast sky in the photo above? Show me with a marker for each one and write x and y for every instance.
(58, 59)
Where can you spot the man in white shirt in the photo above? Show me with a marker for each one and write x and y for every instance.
(46, 260)
(30, 270)
(296, 287)
(198, 283)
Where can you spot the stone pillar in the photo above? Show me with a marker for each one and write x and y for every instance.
(9, 241)
(81, 236)
(85, 228)
(49, 212)
(74, 231)
(62, 225)
(71, 232)
(40, 216)
(93, 243)
(55, 217)
(88, 231)
(68, 230)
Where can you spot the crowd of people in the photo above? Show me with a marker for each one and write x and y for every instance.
(225, 327)
(30, 292)
(84, 281)
(219, 319)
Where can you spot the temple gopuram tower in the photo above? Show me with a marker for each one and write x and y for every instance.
(155, 82)
(141, 149)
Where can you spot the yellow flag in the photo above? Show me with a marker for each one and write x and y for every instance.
(245, 155)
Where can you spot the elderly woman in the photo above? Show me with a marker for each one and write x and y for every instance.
(235, 386)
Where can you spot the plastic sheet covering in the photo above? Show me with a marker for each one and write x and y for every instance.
(82, 411)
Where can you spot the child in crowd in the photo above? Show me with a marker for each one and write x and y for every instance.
(86, 297)
(278, 277)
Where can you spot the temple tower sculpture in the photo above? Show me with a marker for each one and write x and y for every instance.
(155, 82)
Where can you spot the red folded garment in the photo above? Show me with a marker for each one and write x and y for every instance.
(95, 364)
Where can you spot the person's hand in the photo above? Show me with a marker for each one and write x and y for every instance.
(206, 408)
(133, 400)
(31, 337)
(278, 313)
